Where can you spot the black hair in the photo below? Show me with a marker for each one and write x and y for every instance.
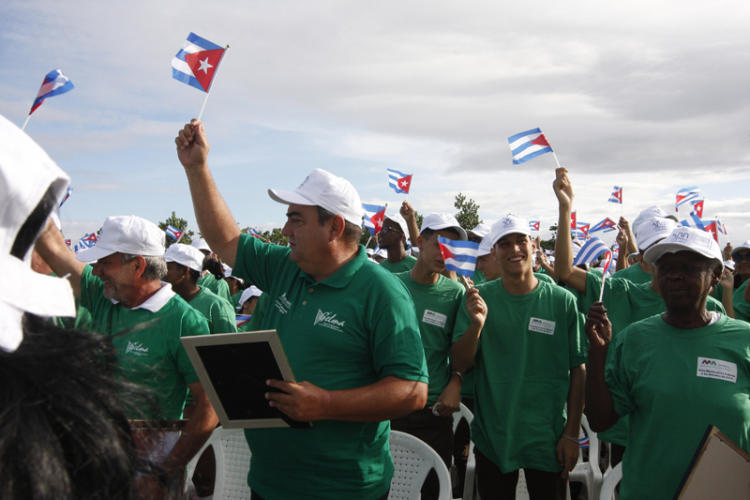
(213, 266)
(427, 232)
(352, 232)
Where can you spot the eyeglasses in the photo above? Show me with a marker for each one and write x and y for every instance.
(740, 257)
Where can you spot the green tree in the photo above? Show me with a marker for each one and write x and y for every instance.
(468, 212)
(550, 243)
(273, 236)
(179, 223)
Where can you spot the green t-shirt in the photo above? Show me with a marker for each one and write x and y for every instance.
(528, 345)
(478, 277)
(404, 264)
(741, 307)
(674, 383)
(437, 306)
(349, 330)
(235, 299)
(219, 313)
(150, 351)
(634, 273)
(218, 286)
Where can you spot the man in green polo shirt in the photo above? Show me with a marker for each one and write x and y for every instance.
(145, 318)
(393, 239)
(347, 325)
(528, 364)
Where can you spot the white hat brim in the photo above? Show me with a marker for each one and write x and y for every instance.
(93, 254)
(656, 252)
(289, 197)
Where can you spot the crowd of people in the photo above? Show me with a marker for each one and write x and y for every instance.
(527, 344)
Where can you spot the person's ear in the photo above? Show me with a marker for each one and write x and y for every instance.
(337, 227)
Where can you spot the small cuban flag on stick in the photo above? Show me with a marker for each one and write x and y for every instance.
(54, 83)
(174, 233)
(459, 256)
(527, 145)
(616, 196)
(196, 64)
(374, 217)
(685, 195)
(399, 181)
(589, 252)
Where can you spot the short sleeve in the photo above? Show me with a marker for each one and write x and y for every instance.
(616, 377)
(193, 323)
(258, 262)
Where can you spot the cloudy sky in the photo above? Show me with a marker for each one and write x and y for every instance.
(649, 96)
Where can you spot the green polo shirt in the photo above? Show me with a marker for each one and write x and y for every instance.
(478, 277)
(404, 264)
(218, 286)
(634, 273)
(527, 347)
(436, 305)
(673, 383)
(741, 307)
(147, 344)
(349, 330)
(219, 313)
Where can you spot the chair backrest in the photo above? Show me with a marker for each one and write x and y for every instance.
(463, 412)
(232, 463)
(611, 479)
(412, 461)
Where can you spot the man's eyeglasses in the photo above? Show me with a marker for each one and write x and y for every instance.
(740, 257)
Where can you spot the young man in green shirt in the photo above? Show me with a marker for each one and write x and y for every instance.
(392, 238)
(528, 365)
(123, 292)
(437, 300)
(347, 325)
(673, 374)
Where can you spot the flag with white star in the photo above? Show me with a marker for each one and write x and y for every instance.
(196, 63)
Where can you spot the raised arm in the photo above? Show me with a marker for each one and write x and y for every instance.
(564, 269)
(410, 216)
(59, 257)
(622, 243)
(211, 211)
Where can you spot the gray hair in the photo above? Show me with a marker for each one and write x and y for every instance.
(156, 266)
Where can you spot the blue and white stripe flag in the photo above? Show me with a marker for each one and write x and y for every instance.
(590, 251)
(527, 145)
(459, 255)
(399, 181)
(196, 62)
(374, 217)
(694, 221)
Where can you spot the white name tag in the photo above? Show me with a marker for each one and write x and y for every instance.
(434, 318)
(718, 369)
(544, 326)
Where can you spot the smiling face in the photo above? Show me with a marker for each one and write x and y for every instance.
(118, 277)
(684, 279)
(514, 254)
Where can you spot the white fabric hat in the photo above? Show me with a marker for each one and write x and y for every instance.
(323, 189)
(685, 238)
(248, 293)
(744, 246)
(382, 253)
(649, 231)
(481, 230)
(27, 176)
(200, 244)
(510, 224)
(396, 217)
(729, 264)
(437, 221)
(186, 255)
(649, 213)
(127, 234)
(485, 246)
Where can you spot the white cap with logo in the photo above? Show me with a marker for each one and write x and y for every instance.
(323, 189)
(396, 217)
(510, 224)
(685, 238)
(437, 221)
(126, 234)
(649, 231)
(186, 255)
(200, 244)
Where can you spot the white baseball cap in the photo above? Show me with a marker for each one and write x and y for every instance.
(126, 234)
(437, 221)
(729, 264)
(323, 189)
(744, 246)
(396, 217)
(28, 176)
(485, 246)
(200, 244)
(248, 293)
(481, 230)
(685, 238)
(649, 213)
(186, 255)
(649, 231)
(510, 224)
(382, 252)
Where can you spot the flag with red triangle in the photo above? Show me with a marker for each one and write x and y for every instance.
(698, 207)
(196, 63)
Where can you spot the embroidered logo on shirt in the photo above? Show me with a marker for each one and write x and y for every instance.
(544, 326)
(282, 304)
(136, 348)
(328, 320)
(434, 318)
(717, 369)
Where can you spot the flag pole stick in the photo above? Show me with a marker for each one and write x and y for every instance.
(368, 241)
(554, 155)
(205, 99)
(28, 117)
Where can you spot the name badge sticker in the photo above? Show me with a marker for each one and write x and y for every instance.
(717, 369)
(544, 326)
(434, 318)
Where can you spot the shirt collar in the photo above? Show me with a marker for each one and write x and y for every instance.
(343, 276)
(157, 300)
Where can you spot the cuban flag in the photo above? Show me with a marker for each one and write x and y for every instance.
(534, 225)
(528, 145)
(590, 251)
(87, 241)
(174, 233)
(616, 196)
(712, 227)
(196, 62)
(721, 227)
(55, 83)
(399, 181)
(241, 319)
(584, 442)
(573, 220)
(605, 225)
(374, 217)
(255, 234)
(459, 255)
(68, 243)
(685, 195)
(698, 206)
(67, 195)
(581, 230)
(693, 221)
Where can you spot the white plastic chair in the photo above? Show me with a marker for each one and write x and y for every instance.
(611, 479)
(412, 461)
(232, 463)
(469, 491)
(588, 472)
